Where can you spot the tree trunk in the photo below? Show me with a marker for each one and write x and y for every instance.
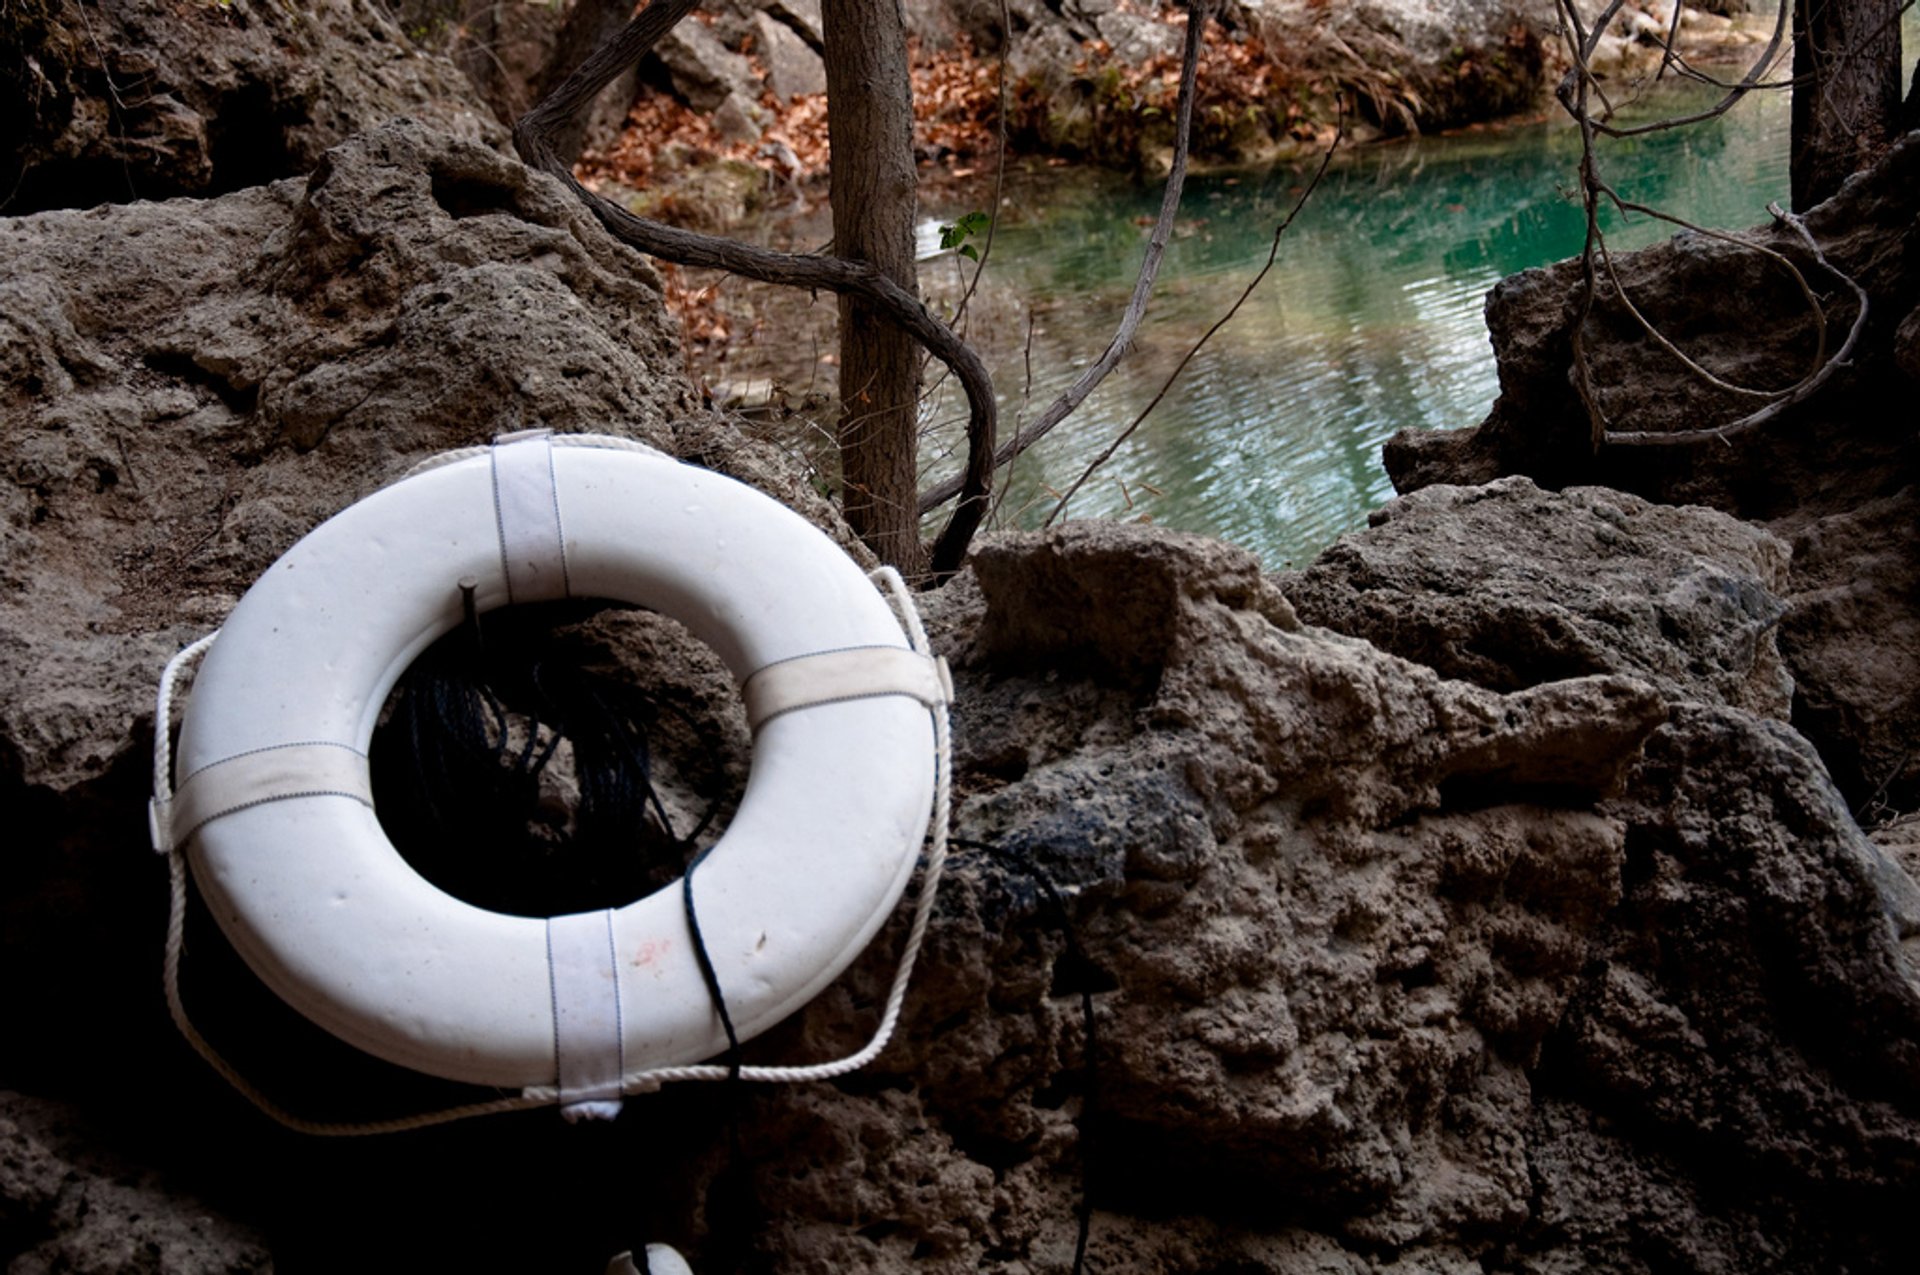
(870, 131)
(1846, 94)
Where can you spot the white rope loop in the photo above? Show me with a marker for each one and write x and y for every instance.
(160, 813)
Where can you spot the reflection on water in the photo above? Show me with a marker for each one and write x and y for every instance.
(1370, 323)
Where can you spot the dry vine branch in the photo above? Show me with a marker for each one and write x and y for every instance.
(534, 136)
(1752, 80)
(1273, 255)
(1573, 93)
(1198, 12)
(1798, 394)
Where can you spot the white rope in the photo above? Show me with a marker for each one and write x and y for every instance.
(643, 1081)
(176, 943)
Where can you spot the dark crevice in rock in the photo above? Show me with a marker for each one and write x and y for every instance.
(183, 366)
(251, 135)
(1481, 792)
(473, 196)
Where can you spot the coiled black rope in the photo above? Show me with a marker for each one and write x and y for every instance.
(458, 763)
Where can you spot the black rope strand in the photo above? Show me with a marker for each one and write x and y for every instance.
(459, 789)
(1020, 857)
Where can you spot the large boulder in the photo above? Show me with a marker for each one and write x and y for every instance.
(192, 385)
(1384, 972)
(1832, 475)
(1509, 586)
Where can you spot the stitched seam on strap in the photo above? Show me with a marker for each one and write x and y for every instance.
(553, 997)
(266, 748)
(500, 520)
(619, 1023)
(181, 838)
(831, 650)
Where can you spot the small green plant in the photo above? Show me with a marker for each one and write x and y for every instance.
(954, 234)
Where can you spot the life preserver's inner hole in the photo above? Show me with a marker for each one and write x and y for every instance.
(559, 758)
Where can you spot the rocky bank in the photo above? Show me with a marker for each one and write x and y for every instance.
(1467, 902)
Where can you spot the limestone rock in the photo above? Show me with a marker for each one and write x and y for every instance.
(1386, 972)
(1831, 476)
(1852, 635)
(122, 101)
(68, 1206)
(158, 355)
(1508, 586)
(793, 66)
(705, 72)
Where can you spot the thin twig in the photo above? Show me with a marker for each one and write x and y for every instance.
(1198, 11)
(999, 172)
(1273, 254)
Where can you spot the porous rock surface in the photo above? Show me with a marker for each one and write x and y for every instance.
(1409, 65)
(1509, 586)
(67, 1207)
(1832, 476)
(132, 99)
(1388, 972)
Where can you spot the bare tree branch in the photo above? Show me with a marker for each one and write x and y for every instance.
(1573, 94)
(534, 136)
(1806, 389)
(1752, 80)
(1198, 11)
(1273, 255)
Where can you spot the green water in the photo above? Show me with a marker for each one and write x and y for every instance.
(1370, 323)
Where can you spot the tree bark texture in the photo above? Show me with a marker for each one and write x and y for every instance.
(1846, 92)
(588, 25)
(870, 132)
(534, 135)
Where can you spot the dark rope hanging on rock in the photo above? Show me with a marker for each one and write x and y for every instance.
(475, 722)
(1079, 965)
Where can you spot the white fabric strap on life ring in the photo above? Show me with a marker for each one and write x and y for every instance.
(582, 966)
(832, 677)
(255, 778)
(526, 506)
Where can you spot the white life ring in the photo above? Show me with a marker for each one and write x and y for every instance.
(283, 840)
